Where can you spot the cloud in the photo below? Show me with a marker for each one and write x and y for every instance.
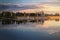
(45, 6)
(4, 7)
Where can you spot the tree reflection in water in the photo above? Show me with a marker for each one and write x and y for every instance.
(10, 21)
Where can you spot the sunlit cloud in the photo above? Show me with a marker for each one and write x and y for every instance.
(44, 7)
(28, 8)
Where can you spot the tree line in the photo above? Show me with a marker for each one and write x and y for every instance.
(19, 14)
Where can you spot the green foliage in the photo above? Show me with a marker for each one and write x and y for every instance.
(8, 15)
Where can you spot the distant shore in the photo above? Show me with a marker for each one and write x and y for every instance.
(30, 16)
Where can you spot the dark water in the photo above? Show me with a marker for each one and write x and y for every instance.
(41, 30)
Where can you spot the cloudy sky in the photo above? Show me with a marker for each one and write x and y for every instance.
(30, 5)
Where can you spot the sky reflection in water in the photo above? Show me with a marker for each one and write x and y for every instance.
(49, 30)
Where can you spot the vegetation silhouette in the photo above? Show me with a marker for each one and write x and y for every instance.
(11, 17)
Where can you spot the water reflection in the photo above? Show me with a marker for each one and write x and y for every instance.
(10, 21)
(43, 29)
(7, 21)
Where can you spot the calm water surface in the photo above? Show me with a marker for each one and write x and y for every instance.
(45, 30)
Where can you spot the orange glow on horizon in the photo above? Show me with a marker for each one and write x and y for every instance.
(45, 8)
